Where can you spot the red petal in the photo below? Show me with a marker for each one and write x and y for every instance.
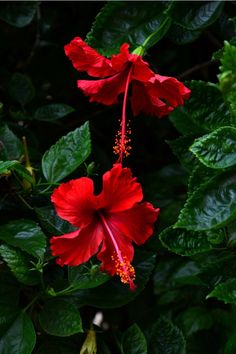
(145, 99)
(170, 89)
(104, 91)
(78, 246)
(136, 223)
(120, 190)
(141, 70)
(74, 201)
(85, 58)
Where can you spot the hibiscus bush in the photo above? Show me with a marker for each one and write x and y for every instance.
(118, 185)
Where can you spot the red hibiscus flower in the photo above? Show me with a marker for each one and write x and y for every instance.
(107, 223)
(151, 93)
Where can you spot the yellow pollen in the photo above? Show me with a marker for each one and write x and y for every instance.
(124, 269)
(122, 144)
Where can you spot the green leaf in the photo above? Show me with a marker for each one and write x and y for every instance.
(200, 175)
(7, 166)
(212, 205)
(10, 145)
(134, 341)
(172, 273)
(116, 294)
(67, 154)
(180, 147)
(196, 118)
(196, 15)
(19, 15)
(21, 88)
(225, 292)
(128, 22)
(26, 235)
(195, 319)
(217, 149)
(20, 337)
(20, 265)
(185, 243)
(83, 277)
(60, 317)
(227, 78)
(166, 338)
(52, 223)
(181, 36)
(230, 346)
(9, 298)
(52, 112)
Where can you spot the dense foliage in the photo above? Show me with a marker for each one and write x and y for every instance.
(50, 133)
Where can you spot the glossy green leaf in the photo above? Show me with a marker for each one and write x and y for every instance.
(195, 319)
(51, 222)
(7, 166)
(212, 205)
(85, 277)
(20, 337)
(196, 15)
(60, 317)
(217, 149)
(181, 36)
(67, 154)
(225, 292)
(21, 88)
(180, 147)
(185, 243)
(174, 272)
(19, 15)
(134, 341)
(199, 176)
(128, 22)
(196, 118)
(26, 235)
(166, 338)
(10, 145)
(52, 112)
(19, 264)
(116, 294)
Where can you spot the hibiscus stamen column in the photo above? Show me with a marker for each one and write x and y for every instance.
(121, 147)
(123, 267)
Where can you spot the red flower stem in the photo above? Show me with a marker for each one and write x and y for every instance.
(123, 119)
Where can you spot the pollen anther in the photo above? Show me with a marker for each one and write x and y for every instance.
(124, 270)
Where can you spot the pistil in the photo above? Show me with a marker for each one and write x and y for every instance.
(123, 267)
(122, 140)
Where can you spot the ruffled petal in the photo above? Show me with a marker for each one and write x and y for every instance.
(104, 91)
(74, 201)
(136, 223)
(120, 190)
(170, 89)
(85, 58)
(144, 99)
(79, 246)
